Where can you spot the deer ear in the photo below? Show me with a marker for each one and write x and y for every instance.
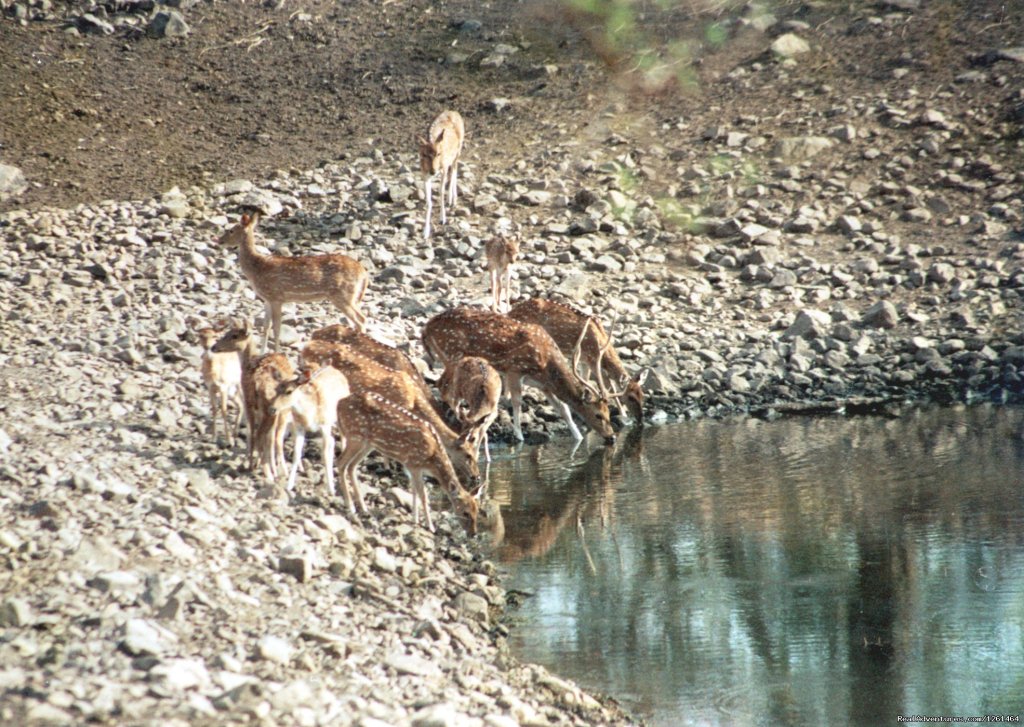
(642, 377)
(245, 220)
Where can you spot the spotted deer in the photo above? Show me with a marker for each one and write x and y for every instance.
(439, 157)
(280, 279)
(501, 253)
(471, 388)
(365, 374)
(598, 357)
(310, 401)
(520, 351)
(372, 422)
(222, 374)
(382, 353)
(261, 376)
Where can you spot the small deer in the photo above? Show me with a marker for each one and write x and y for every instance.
(520, 351)
(598, 358)
(471, 388)
(372, 422)
(439, 156)
(501, 253)
(280, 279)
(261, 376)
(222, 374)
(382, 353)
(310, 400)
(365, 374)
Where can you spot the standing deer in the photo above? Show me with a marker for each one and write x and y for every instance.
(310, 400)
(280, 279)
(598, 358)
(501, 253)
(365, 374)
(382, 353)
(371, 422)
(222, 374)
(520, 351)
(471, 388)
(439, 156)
(261, 376)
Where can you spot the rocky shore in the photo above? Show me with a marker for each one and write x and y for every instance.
(860, 251)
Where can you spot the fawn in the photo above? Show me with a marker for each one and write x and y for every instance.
(471, 388)
(280, 279)
(222, 374)
(311, 399)
(501, 253)
(261, 376)
(371, 422)
(439, 156)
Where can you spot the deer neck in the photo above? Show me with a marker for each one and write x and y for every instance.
(247, 252)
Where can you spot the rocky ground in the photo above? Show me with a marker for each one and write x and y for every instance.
(833, 227)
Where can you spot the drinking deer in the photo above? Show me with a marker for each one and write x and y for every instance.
(439, 156)
(598, 358)
(501, 253)
(382, 353)
(261, 376)
(371, 422)
(222, 374)
(280, 279)
(520, 351)
(471, 388)
(310, 400)
(365, 374)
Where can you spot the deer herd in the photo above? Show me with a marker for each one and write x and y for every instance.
(373, 395)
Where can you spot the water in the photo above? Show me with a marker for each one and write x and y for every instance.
(813, 571)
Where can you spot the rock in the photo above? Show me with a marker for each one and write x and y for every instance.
(275, 649)
(881, 315)
(809, 323)
(789, 45)
(801, 147)
(849, 224)
(301, 567)
(472, 606)
(12, 182)
(89, 23)
(168, 24)
(146, 638)
(15, 612)
(941, 273)
(181, 674)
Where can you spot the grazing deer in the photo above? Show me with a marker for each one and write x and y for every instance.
(501, 252)
(222, 374)
(371, 422)
(280, 279)
(471, 388)
(261, 375)
(365, 374)
(598, 358)
(310, 400)
(439, 156)
(520, 351)
(382, 353)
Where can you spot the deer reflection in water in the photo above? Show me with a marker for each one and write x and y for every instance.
(587, 495)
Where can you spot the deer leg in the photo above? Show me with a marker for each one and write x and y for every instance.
(445, 185)
(430, 206)
(453, 185)
(268, 316)
(237, 398)
(275, 313)
(562, 407)
(419, 494)
(515, 392)
(213, 413)
(349, 453)
(328, 457)
(495, 291)
(507, 289)
(298, 446)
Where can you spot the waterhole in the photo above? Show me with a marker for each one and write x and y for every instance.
(806, 571)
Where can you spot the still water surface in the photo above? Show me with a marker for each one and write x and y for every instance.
(813, 571)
